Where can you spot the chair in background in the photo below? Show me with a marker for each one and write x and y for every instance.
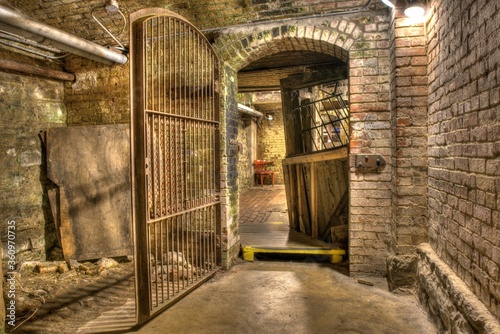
(261, 171)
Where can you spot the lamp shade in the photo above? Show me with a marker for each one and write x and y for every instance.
(415, 9)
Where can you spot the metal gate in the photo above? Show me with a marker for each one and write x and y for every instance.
(175, 158)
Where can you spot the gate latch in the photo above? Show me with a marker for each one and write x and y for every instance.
(369, 161)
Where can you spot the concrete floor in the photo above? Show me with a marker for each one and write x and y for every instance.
(300, 297)
(291, 297)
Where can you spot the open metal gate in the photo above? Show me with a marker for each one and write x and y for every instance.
(175, 158)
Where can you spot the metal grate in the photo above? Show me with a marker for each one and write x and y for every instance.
(178, 232)
(324, 123)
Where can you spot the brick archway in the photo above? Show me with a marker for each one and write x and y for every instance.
(365, 43)
(335, 38)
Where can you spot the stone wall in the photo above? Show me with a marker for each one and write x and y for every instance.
(28, 106)
(229, 168)
(464, 142)
(450, 303)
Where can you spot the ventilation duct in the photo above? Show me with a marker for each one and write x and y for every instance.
(14, 22)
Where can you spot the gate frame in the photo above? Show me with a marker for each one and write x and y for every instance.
(144, 312)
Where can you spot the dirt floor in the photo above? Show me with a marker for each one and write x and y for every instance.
(55, 302)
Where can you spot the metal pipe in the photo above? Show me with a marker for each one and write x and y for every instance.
(35, 70)
(16, 38)
(13, 45)
(27, 27)
(249, 111)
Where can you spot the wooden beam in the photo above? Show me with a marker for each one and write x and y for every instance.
(300, 206)
(338, 153)
(316, 76)
(314, 202)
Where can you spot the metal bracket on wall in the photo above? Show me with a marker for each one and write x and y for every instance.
(369, 161)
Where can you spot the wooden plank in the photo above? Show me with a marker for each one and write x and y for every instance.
(293, 140)
(334, 154)
(300, 206)
(336, 255)
(279, 239)
(90, 166)
(290, 197)
(314, 202)
(335, 219)
(315, 76)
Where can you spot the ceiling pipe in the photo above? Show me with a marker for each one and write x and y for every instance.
(29, 28)
(11, 65)
(249, 111)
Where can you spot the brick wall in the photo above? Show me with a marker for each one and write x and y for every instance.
(464, 142)
(99, 94)
(28, 105)
(271, 144)
(75, 16)
(370, 193)
(409, 130)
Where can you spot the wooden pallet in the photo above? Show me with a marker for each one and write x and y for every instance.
(277, 238)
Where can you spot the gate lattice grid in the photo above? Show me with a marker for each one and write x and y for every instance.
(324, 123)
(176, 120)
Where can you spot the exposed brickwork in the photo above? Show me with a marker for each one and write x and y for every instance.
(409, 96)
(370, 194)
(99, 94)
(204, 14)
(271, 145)
(29, 105)
(257, 204)
(464, 142)
(451, 305)
(391, 62)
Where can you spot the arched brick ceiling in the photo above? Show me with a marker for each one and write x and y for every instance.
(264, 74)
(74, 16)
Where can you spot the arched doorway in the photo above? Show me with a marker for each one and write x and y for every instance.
(321, 66)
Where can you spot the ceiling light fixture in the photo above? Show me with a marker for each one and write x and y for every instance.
(112, 6)
(415, 9)
(388, 3)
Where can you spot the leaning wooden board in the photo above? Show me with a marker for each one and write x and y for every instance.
(91, 204)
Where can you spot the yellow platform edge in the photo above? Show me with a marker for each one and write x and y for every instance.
(335, 254)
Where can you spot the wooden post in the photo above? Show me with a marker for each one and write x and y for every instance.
(313, 204)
